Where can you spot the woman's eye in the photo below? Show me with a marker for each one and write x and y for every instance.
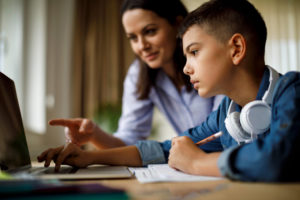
(132, 38)
(150, 31)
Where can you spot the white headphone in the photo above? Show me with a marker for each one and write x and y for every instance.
(255, 117)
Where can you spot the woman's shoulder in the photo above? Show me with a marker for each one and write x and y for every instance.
(134, 68)
(132, 73)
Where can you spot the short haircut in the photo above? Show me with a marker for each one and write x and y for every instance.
(224, 18)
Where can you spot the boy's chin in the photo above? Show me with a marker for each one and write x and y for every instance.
(205, 94)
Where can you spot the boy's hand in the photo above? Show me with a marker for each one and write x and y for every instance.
(186, 156)
(78, 131)
(69, 154)
(183, 153)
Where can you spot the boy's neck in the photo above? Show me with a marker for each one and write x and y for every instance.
(246, 83)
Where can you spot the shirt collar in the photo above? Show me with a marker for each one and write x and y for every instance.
(264, 84)
(163, 82)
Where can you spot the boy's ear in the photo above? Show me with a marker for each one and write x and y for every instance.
(238, 48)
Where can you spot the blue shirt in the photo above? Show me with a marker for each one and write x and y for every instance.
(273, 156)
(182, 109)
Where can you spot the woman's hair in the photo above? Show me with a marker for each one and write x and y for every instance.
(169, 10)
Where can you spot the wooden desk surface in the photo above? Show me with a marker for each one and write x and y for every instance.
(208, 190)
(214, 190)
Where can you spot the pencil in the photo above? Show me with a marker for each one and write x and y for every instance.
(210, 138)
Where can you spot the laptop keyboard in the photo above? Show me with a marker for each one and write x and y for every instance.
(50, 170)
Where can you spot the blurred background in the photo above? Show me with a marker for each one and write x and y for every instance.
(68, 58)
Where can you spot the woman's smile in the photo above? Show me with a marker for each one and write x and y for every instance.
(151, 56)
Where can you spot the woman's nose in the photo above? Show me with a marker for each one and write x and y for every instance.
(143, 44)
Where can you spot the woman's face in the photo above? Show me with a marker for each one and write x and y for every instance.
(152, 38)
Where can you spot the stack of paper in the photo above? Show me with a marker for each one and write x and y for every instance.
(164, 173)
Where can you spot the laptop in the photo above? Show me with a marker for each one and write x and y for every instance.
(14, 153)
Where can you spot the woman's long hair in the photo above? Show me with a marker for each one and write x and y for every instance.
(169, 10)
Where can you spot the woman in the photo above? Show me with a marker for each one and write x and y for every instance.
(155, 78)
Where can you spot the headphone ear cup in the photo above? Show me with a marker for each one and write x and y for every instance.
(256, 117)
(233, 126)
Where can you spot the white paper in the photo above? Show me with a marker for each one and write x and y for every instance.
(164, 173)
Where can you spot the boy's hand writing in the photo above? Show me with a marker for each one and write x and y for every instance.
(183, 153)
(186, 156)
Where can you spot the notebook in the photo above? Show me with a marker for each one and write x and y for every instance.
(164, 173)
(14, 153)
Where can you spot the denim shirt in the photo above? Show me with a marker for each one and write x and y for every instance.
(182, 109)
(273, 156)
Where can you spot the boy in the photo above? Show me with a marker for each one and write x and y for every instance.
(224, 44)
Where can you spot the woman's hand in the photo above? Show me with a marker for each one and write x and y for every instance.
(81, 131)
(187, 157)
(69, 154)
(78, 131)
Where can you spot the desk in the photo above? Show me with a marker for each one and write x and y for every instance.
(208, 190)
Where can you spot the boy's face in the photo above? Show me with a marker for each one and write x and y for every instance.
(208, 62)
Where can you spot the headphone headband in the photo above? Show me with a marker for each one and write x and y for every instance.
(273, 77)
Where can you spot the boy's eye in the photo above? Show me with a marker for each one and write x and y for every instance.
(194, 52)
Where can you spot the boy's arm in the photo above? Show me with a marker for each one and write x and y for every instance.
(144, 153)
(127, 156)
(73, 155)
(153, 152)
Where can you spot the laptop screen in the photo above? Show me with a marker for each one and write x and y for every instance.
(13, 146)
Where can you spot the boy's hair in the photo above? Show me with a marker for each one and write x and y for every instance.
(223, 18)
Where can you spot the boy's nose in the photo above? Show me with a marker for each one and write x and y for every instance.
(187, 69)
